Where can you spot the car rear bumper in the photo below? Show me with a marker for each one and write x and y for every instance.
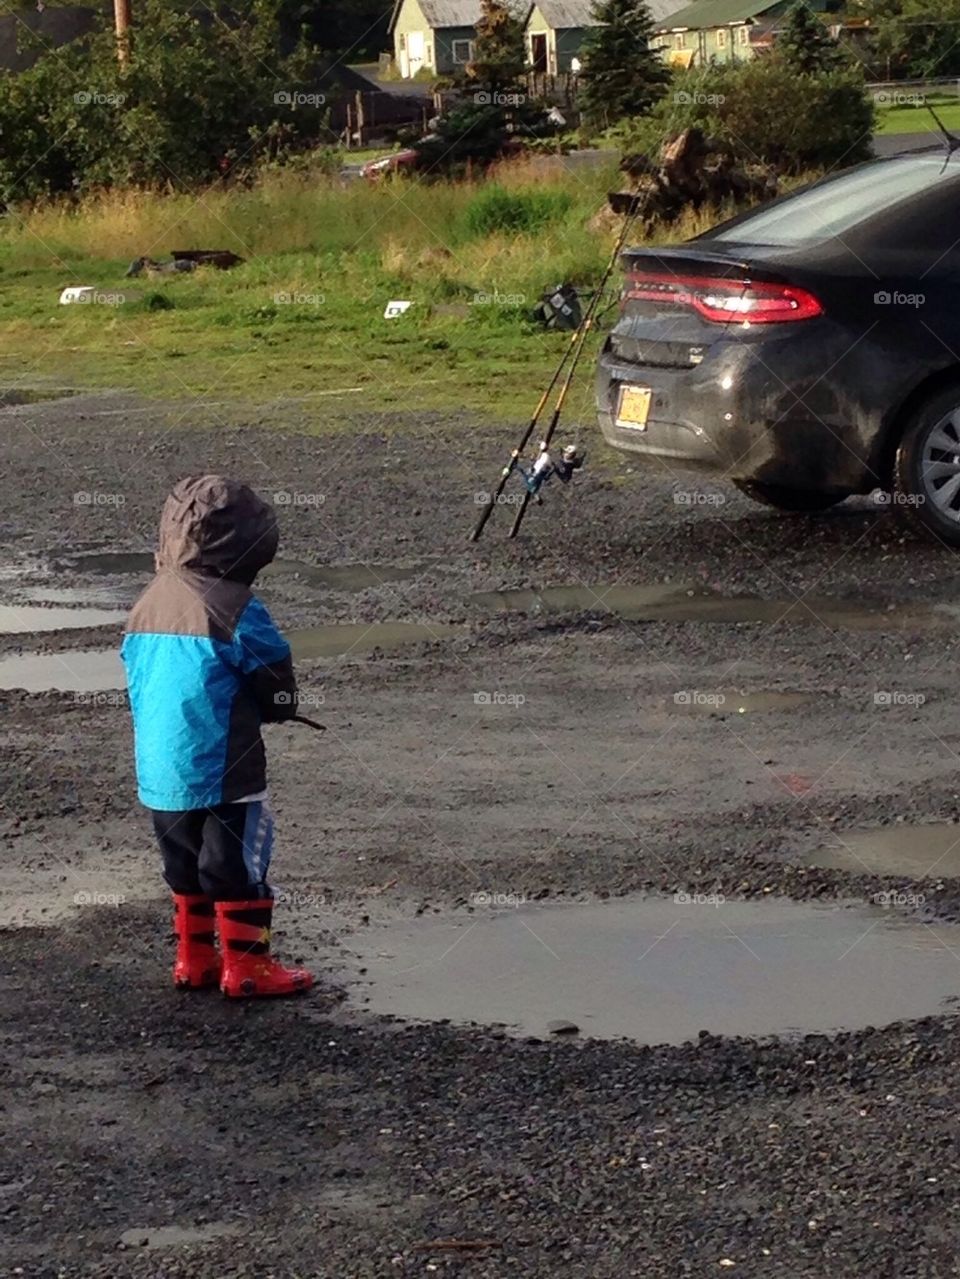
(782, 410)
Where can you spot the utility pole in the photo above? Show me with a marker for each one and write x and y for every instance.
(121, 12)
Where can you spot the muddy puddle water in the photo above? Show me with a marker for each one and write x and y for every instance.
(19, 619)
(695, 604)
(335, 577)
(730, 701)
(660, 970)
(101, 670)
(917, 851)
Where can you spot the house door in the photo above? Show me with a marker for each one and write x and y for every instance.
(538, 53)
(415, 50)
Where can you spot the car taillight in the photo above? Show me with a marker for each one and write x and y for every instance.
(723, 301)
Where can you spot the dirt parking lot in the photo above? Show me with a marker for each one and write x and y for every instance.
(723, 707)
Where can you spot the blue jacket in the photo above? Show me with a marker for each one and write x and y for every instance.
(205, 663)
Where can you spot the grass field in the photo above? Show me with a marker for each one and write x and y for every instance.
(917, 119)
(304, 315)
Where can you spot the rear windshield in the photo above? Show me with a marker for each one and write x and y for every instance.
(833, 207)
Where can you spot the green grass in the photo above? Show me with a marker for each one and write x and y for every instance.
(917, 119)
(303, 315)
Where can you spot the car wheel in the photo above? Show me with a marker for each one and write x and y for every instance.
(926, 469)
(787, 499)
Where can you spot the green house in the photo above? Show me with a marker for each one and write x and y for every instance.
(554, 34)
(433, 35)
(720, 30)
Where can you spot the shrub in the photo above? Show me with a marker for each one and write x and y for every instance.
(765, 111)
(516, 212)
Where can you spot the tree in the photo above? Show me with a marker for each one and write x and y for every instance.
(917, 39)
(493, 110)
(621, 76)
(197, 99)
(805, 45)
(499, 56)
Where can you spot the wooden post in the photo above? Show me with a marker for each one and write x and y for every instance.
(121, 13)
(360, 120)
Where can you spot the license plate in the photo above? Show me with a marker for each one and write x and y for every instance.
(634, 407)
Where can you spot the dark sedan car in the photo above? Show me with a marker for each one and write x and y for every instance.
(807, 349)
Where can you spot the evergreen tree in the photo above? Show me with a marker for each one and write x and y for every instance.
(622, 76)
(805, 45)
(499, 56)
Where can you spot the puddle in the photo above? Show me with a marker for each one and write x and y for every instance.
(16, 619)
(728, 701)
(694, 604)
(100, 671)
(931, 848)
(336, 577)
(660, 970)
(358, 637)
(10, 399)
(177, 1236)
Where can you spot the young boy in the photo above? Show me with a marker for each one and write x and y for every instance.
(205, 667)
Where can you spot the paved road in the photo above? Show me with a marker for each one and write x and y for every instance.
(892, 143)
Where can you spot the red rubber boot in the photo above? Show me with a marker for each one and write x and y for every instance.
(248, 967)
(197, 963)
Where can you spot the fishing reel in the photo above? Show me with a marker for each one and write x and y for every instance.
(564, 468)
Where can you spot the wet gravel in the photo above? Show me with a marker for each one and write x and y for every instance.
(298, 1141)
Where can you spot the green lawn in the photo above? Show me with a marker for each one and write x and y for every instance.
(304, 315)
(917, 119)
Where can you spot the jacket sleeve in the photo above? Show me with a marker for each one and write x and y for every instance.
(263, 655)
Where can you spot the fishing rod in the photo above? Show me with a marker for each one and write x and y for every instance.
(494, 497)
(572, 460)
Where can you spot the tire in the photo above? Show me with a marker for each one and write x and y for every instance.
(787, 499)
(926, 469)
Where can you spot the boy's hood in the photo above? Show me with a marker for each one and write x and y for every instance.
(217, 526)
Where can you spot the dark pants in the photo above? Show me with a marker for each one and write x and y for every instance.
(222, 851)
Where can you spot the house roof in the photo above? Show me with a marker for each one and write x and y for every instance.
(703, 14)
(454, 13)
(566, 14)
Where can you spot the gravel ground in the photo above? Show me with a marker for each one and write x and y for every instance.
(148, 1135)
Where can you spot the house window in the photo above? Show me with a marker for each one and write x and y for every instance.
(743, 35)
(462, 51)
(403, 42)
(721, 37)
(680, 41)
